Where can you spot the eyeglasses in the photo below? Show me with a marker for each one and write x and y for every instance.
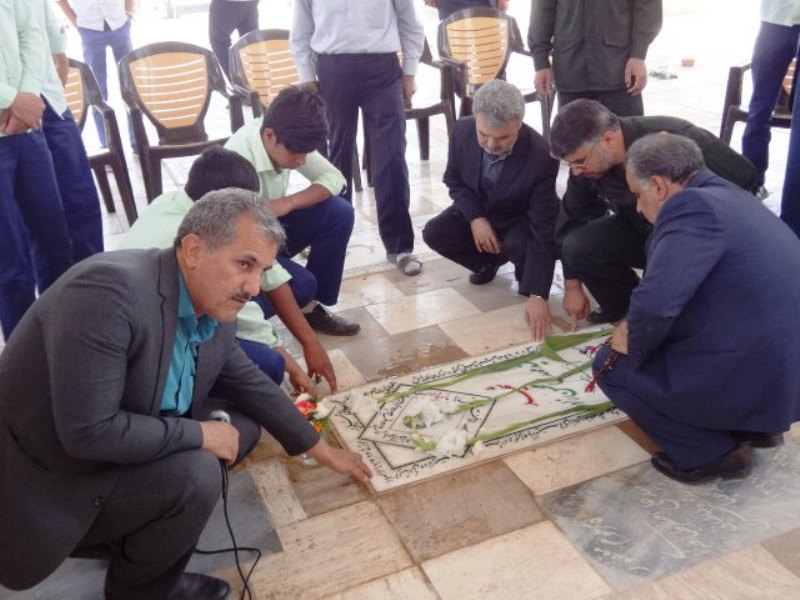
(580, 163)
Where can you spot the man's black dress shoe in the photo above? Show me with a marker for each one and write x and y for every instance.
(733, 465)
(324, 321)
(484, 275)
(601, 316)
(759, 440)
(196, 586)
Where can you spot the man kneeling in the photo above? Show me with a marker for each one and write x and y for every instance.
(707, 359)
(106, 388)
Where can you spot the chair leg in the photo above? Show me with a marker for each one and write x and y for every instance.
(466, 107)
(449, 119)
(156, 184)
(424, 135)
(545, 108)
(105, 190)
(125, 188)
(727, 128)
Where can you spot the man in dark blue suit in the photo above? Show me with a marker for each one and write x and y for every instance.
(707, 360)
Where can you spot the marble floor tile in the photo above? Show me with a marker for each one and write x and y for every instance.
(500, 293)
(794, 432)
(636, 525)
(534, 562)
(749, 574)
(579, 458)
(421, 310)
(403, 353)
(365, 290)
(786, 550)
(458, 510)
(347, 375)
(437, 273)
(370, 331)
(405, 585)
(489, 331)
(330, 553)
(320, 490)
(272, 480)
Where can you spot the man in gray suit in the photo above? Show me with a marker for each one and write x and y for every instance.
(105, 392)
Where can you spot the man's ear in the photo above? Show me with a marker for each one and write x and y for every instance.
(268, 135)
(659, 184)
(192, 247)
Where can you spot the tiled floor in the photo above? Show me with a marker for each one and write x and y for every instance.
(497, 530)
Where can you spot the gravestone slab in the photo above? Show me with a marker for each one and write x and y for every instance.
(637, 526)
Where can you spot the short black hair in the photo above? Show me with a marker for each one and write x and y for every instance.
(297, 116)
(217, 168)
(580, 122)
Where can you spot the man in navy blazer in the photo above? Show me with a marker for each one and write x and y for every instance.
(707, 360)
(106, 389)
(502, 180)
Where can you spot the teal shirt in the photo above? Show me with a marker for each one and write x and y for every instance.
(189, 333)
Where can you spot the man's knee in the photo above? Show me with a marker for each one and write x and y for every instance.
(576, 248)
(342, 216)
(199, 477)
(434, 233)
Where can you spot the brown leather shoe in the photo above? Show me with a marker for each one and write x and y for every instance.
(324, 321)
(733, 465)
(196, 586)
(759, 440)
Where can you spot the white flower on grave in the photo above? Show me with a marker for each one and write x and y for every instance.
(478, 448)
(324, 408)
(305, 398)
(364, 403)
(427, 410)
(452, 443)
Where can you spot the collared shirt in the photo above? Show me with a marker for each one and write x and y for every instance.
(248, 143)
(22, 62)
(491, 167)
(157, 227)
(94, 14)
(190, 332)
(55, 43)
(781, 12)
(355, 27)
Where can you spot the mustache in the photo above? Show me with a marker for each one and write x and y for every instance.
(242, 297)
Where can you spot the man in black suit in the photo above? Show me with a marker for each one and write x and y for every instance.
(502, 181)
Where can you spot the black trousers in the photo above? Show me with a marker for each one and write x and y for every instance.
(223, 18)
(603, 254)
(620, 102)
(450, 235)
(372, 83)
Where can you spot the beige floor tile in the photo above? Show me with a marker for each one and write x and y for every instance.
(387, 356)
(534, 562)
(498, 294)
(405, 585)
(786, 549)
(566, 462)
(489, 331)
(330, 553)
(437, 273)
(320, 490)
(272, 480)
(370, 330)
(749, 574)
(421, 310)
(458, 510)
(794, 432)
(365, 290)
(347, 375)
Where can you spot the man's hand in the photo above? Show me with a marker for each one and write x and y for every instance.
(575, 303)
(502, 5)
(409, 88)
(484, 236)
(341, 461)
(319, 364)
(301, 383)
(635, 76)
(221, 439)
(619, 339)
(311, 86)
(28, 108)
(544, 83)
(280, 207)
(537, 316)
(62, 67)
(11, 125)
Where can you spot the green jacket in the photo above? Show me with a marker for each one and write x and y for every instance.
(591, 40)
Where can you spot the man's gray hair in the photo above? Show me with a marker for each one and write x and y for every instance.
(499, 102)
(213, 218)
(671, 156)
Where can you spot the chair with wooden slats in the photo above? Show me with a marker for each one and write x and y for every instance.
(82, 93)
(733, 112)
(171, 84)
(478, 42)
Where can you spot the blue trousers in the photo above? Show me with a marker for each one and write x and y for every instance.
(75, 183)
(775, 47)
(372, 83)
(687, 445)
(303, 286)
(325, 228)
(267, 359)
(790, 198)
(223, 18)
(94, 54)
(29, 201)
